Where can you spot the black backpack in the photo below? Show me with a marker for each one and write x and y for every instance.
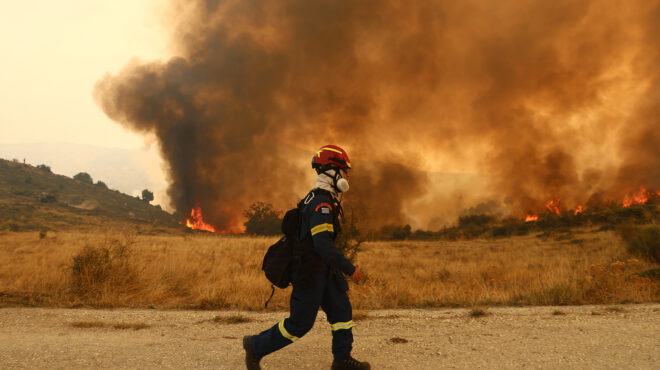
(284, 256)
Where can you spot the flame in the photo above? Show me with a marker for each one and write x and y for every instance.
(553, 207)
(578, 210)
(196, 221)
(531, 217)
(640, 197)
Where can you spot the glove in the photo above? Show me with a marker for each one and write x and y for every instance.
(357, 275)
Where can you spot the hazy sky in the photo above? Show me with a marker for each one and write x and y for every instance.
(52, 54)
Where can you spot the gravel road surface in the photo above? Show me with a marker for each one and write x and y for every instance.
(626, 336)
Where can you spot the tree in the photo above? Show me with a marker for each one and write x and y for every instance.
(44, 168)
(262, 219)
(101, 184)
(83, 177)
(147, 196)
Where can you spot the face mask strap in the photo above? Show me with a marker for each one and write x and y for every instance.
(334, 178)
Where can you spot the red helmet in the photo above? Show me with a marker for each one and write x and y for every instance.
(330, 156)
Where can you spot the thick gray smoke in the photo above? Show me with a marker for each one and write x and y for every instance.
(544, 100)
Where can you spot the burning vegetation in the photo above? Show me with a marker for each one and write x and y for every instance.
(196, 221)
(551, 105)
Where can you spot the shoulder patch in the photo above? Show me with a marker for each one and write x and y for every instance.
(324, 207)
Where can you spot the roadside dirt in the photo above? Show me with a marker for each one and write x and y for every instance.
(626, 336)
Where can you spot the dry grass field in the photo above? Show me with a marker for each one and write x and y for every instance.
(114, 268)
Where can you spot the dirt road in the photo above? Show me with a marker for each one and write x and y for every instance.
(538, 337)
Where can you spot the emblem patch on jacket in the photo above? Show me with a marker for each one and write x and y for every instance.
(324, 207)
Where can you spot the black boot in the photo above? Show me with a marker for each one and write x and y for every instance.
(349, 363)
(251, 360)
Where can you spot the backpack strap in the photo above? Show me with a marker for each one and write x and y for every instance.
(272, 287)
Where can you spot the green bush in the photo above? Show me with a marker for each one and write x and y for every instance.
(642, 240)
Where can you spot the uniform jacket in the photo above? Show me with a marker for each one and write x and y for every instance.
(320, 225)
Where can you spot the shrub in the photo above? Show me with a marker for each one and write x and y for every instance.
(262, 219)
(104, 266)
(101, 184)
(642, 240)
(349, 241)
(475, 220)
(502, 232)
(393, 232)
(44, 168)
(653, 274)
(556, 294)
(83, 177)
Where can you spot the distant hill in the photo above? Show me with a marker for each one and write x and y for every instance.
(127, 170)
(33, 198)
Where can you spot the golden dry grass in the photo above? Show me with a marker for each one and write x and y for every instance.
(120, 269)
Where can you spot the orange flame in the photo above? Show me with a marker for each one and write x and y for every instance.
(196, 221)
(531, 217)
(640, 197)
(578, 210)
(553, 207)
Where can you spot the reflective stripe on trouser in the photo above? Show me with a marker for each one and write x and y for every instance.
(342, 325)
(330, 295)
(285, 333)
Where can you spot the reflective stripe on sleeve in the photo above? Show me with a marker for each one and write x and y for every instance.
(342, 325)
(322, 227)
(285, 333)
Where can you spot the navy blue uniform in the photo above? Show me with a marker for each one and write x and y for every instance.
(318, 283)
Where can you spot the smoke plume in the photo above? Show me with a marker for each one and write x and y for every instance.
(538, 100)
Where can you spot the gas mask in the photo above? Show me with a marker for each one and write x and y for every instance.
(342, 185)
(338, 183)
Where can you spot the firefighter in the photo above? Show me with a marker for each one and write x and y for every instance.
(318, 281)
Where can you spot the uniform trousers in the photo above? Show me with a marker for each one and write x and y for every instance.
(326, 289)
